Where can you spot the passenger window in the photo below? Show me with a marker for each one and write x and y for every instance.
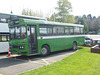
(69, 30)
(4, 37)
(49, 30)
(76, 30)
(81, 30)
(58, 30)
(45, 30)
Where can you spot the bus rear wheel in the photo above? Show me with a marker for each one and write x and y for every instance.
(45, 50)
(74, 46)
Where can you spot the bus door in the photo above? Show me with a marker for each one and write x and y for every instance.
(32, 39)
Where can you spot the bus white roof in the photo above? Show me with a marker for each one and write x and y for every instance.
(21, 16)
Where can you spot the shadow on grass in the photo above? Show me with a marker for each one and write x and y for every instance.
(80, 47)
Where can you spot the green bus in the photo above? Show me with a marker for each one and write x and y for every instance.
(33, 37)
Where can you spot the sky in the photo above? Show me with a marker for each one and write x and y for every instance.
(80, 7)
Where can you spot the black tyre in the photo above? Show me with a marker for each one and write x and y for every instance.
(74, 46)
(45, 50)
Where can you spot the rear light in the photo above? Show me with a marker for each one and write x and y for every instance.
(9, 49)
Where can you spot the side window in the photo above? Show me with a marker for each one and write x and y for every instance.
(0, 38)
(61, 30)
(4, 37)
(12, 31)
(76, 30)
(4, 18)
(49, 30)
(55, 30)
(58, 30)
(81, 30)
(69, 30)
(45, 30)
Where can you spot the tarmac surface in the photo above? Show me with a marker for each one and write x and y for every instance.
(17, 64)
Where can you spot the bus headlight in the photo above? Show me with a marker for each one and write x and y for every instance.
(21, 47)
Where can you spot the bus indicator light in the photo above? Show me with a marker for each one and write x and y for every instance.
(9, 49)
(23, 42)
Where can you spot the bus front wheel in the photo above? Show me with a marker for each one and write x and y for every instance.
(74, 46)
(45, 50)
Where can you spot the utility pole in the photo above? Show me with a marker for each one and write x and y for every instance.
(10, 15)
(11, 12)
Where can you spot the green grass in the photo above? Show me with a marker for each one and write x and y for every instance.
(81, 63)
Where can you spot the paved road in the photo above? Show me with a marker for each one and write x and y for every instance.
(18, 64)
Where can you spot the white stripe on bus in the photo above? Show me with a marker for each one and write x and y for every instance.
(53, 37)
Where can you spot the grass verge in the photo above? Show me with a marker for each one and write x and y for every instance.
(81, 63)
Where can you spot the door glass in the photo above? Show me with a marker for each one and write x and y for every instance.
(33, 37)
(29, 38)
(33, 32)
(28, 31)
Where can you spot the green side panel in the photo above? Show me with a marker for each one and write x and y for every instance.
(80, 40)
(60, 43)
(54, 44)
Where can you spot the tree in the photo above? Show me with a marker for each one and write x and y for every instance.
(24, 12)
(94, 17)
(96, 24)
(70, 19)
(84, 16)
(93, 23)
(89, 16)
(64, 7)
(51, 18)
(82, 21)
(29, 12)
